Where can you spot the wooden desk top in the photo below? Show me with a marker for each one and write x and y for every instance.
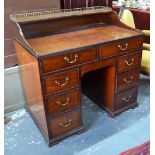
(77, 39)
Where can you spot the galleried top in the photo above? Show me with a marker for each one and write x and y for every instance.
(45, 32)
(56, 13)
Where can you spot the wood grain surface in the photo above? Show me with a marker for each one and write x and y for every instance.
(72, 40)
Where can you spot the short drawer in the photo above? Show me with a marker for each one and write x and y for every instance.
(68, 60)
(126, 98)
(63, 102)
(127, 79)
(129, 61)
(62, 81)
(124, 46)
(65, 123)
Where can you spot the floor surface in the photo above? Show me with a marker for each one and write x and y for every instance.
(103, 135)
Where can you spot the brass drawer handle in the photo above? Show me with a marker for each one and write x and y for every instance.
(126, 99)
(129, 63)
(65, 125)
(62, 84)
(123, 47)
(71, 61)
(63, 104)
(128, 80)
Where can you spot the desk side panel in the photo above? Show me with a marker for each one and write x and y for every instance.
(113, 19)
(29, 71)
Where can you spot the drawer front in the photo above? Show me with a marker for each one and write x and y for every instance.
(120, 47)
(127, 79)
(129, 61)
(61, 81)
(126, 98)
(68, 60)
(63, 102)
(65, 123)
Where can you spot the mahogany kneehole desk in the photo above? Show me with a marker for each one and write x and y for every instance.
(64, 54)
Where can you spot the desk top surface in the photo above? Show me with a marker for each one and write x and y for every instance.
(79, 38)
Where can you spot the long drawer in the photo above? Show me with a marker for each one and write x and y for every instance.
(127, 79)
(126, 98)
(61, 82)
(68, 60)
(65, 123)
(63, 102)
(119, 47)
